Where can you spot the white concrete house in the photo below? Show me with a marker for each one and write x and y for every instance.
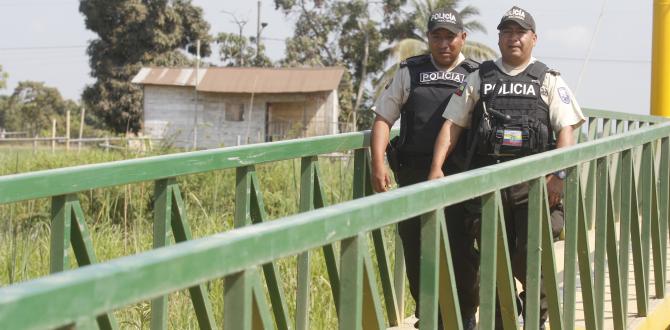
(233, 106)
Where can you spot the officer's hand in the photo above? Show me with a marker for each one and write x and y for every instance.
(380, 179)
(435, 174)
(554, 189)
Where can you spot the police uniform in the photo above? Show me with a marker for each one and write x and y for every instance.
(417, 95)
(519, 109)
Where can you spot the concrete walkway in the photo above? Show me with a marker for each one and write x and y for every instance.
(659, 310)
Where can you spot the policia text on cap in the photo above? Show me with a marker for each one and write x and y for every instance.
(510, 108)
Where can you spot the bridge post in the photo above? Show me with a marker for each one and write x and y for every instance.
(660, 65)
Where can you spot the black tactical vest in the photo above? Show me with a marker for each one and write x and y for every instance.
(511, 119)
(430, 92)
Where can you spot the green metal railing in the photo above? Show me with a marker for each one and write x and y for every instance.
(620, 177)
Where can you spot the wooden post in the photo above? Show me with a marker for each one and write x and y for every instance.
(106, 143)
(53, 135)
(35, 145)
(67, 130)
(81, 128)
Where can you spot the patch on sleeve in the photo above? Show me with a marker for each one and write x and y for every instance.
(564, 94)
(461, 89)
(388, 84)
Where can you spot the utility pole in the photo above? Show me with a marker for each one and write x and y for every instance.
(258, 30)
(259, 27)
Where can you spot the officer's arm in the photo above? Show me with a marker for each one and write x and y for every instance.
(566, 137)
(380, 138)
(444, 144)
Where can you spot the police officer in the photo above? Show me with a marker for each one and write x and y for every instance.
(513, 107)
(419, 91)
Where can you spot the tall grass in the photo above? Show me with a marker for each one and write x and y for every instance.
(120, 221)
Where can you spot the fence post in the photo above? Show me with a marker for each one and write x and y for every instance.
(53, 135)
(67, 130)
(81, 128)
(35, 144)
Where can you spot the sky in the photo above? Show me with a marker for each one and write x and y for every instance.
(45, 40)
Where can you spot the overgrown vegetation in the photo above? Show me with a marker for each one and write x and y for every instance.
(120, 221)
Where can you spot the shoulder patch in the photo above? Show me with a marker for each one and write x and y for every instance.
(564, 95)
(388, 83)
(461, 89)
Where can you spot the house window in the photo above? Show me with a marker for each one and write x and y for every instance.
(235, 112)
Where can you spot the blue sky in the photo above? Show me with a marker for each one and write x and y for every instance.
(45, 40)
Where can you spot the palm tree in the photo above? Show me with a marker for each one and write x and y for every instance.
(417, 43)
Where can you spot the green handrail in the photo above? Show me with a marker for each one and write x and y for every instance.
(117, 283)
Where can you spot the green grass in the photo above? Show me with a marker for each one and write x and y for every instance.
(120, 222)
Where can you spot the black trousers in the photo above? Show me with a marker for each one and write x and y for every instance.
(515, 206)
(465, 259)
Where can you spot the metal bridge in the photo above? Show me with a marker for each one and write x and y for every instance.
(608, 273)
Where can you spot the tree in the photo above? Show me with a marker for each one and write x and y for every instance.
(31, 107)
(236, 50)
(3, 78)
(132, 34)
(408, 36)
(340, 33)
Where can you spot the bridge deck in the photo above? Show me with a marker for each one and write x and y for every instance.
(634, 322)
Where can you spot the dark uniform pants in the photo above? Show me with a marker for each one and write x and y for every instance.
(515, 206)
(465, 258)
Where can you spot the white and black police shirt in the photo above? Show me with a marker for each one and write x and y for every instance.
(563, 108)
(397, 91)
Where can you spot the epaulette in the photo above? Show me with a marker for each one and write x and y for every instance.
(486, 69)
(415, 60)
(554, 72)
(470, 65)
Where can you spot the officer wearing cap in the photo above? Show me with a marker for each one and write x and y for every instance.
(512, 107)
(417, 95)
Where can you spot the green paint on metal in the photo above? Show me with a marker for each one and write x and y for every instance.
(429, 269)
(260, 311)
(85, 254)
(61, 219)
(307, 182)
(584, 262)
(488, 255)
(372, 314)
(237, 300)
(385, 277)
(613, 267)
(279, 238)
(448, 294)
(182, 233)
(571, 214)
(602, 182)
(258, 215)
(626, 180)
(162, 232)
(506, 288)
(638, 262)
(534, 250)
(350, 314)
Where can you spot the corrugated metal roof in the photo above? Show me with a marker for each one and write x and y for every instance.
(245, 80)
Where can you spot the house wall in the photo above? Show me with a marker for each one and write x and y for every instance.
(169, 113)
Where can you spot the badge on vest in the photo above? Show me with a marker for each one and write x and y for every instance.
(440, 77)
(512, 138)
